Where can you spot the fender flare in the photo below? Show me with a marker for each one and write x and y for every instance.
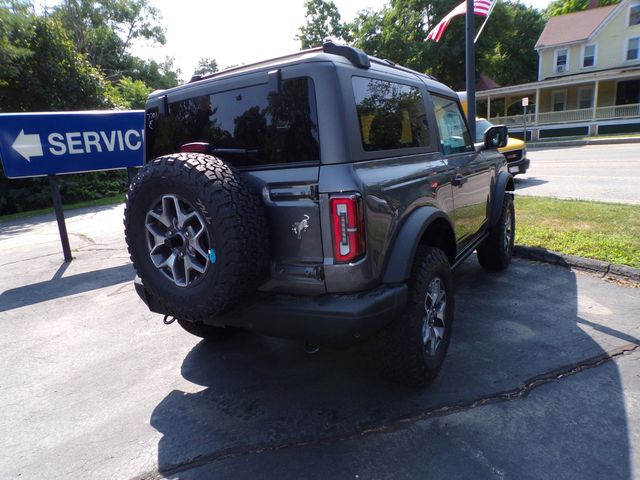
(503, 184)
(403, 251)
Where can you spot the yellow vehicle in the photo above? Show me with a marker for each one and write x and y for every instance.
(515, 151)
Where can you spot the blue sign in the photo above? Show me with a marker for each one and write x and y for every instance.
(35, 144)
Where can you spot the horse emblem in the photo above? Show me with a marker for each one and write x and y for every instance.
(300, 227)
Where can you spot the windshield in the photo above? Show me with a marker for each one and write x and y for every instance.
(481, 127)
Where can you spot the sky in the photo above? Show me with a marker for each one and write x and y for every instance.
(236, 32)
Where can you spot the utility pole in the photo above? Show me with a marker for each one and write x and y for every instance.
(471, 69)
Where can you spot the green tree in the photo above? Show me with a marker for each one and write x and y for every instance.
(206, 66)
(562, 7)
(398, 31)
(134, 93)
(105, 29)
(41, 70)
(322, 21)
(507, 54)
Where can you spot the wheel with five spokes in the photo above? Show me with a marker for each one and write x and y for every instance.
(413, 346)
(196, 234)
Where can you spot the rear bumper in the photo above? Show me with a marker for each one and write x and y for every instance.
(519, 166)
(332, 319)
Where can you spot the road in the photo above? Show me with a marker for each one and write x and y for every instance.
(607, 173)
(541, 380)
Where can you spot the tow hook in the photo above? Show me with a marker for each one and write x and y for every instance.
(169, 321)
(311, 348)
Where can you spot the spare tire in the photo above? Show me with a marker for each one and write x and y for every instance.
(196, 234)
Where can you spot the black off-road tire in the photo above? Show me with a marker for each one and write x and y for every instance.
(496, 251)
(234, 221)
(208, 332)
(402, 353)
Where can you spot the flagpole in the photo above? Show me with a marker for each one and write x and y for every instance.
(493, 4)
(471, 69)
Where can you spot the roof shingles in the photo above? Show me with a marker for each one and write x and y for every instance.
(574, 27)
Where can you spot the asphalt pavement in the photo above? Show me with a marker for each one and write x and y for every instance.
(542, 380)
(606, 173)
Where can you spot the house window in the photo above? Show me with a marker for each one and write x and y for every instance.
(633, 48)
(585, 97)
(628, 92)
(562, 61)
(634, 15)
(589, 56)
(558, 100)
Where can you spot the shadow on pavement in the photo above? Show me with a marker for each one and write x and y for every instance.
(60, 286)
(510, 327)
(521, 183)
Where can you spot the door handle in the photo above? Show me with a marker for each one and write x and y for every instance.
(458, 180)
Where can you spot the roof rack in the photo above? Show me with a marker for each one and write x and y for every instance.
(354, 55)
(195, 78)
(391, 64)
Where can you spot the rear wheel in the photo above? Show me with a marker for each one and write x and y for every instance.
(496, 251)
(413, 347)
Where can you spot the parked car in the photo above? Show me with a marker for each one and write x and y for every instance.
(515, 151)
(324, 195)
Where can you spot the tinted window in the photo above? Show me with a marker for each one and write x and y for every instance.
(391, 115)
(454, 135)
(271, 127)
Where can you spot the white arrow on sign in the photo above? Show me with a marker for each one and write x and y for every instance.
(28, 145)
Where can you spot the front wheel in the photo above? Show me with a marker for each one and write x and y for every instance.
(496, 251)
(413, 347)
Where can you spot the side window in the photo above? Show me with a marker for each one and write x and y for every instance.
(391, 115)
(454, 135)
(269, 128)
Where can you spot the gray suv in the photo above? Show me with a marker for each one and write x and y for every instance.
(325, 196)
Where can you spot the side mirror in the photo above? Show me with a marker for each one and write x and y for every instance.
(496, 136)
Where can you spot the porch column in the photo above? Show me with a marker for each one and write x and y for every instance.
(489, 107)
(537, 106)
(595, 99)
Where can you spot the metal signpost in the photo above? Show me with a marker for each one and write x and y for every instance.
(525, 104)
(39, 144)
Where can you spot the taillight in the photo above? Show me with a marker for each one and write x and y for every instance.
(347, 224)
(198, 147)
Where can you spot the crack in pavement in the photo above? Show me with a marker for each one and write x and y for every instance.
(398, 424)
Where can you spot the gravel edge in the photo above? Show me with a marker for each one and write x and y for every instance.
(606, 270)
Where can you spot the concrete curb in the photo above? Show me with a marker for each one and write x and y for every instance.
(606, 270)
(579, 143)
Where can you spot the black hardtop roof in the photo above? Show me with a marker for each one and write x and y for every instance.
(329, 52)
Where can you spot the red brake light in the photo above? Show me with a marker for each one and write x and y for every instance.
(198, 147)
(347, 224)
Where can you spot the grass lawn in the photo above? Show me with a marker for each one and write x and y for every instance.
(604, 231)
(89, 203)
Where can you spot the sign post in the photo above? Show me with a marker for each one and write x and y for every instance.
(62, 226)
(525, 104)
(48, 144)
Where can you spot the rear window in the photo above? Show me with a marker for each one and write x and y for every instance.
(391, 115)
(263, 127)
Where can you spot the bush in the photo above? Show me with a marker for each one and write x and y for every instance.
(22, 195)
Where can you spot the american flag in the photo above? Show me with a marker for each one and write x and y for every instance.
(480, 7)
